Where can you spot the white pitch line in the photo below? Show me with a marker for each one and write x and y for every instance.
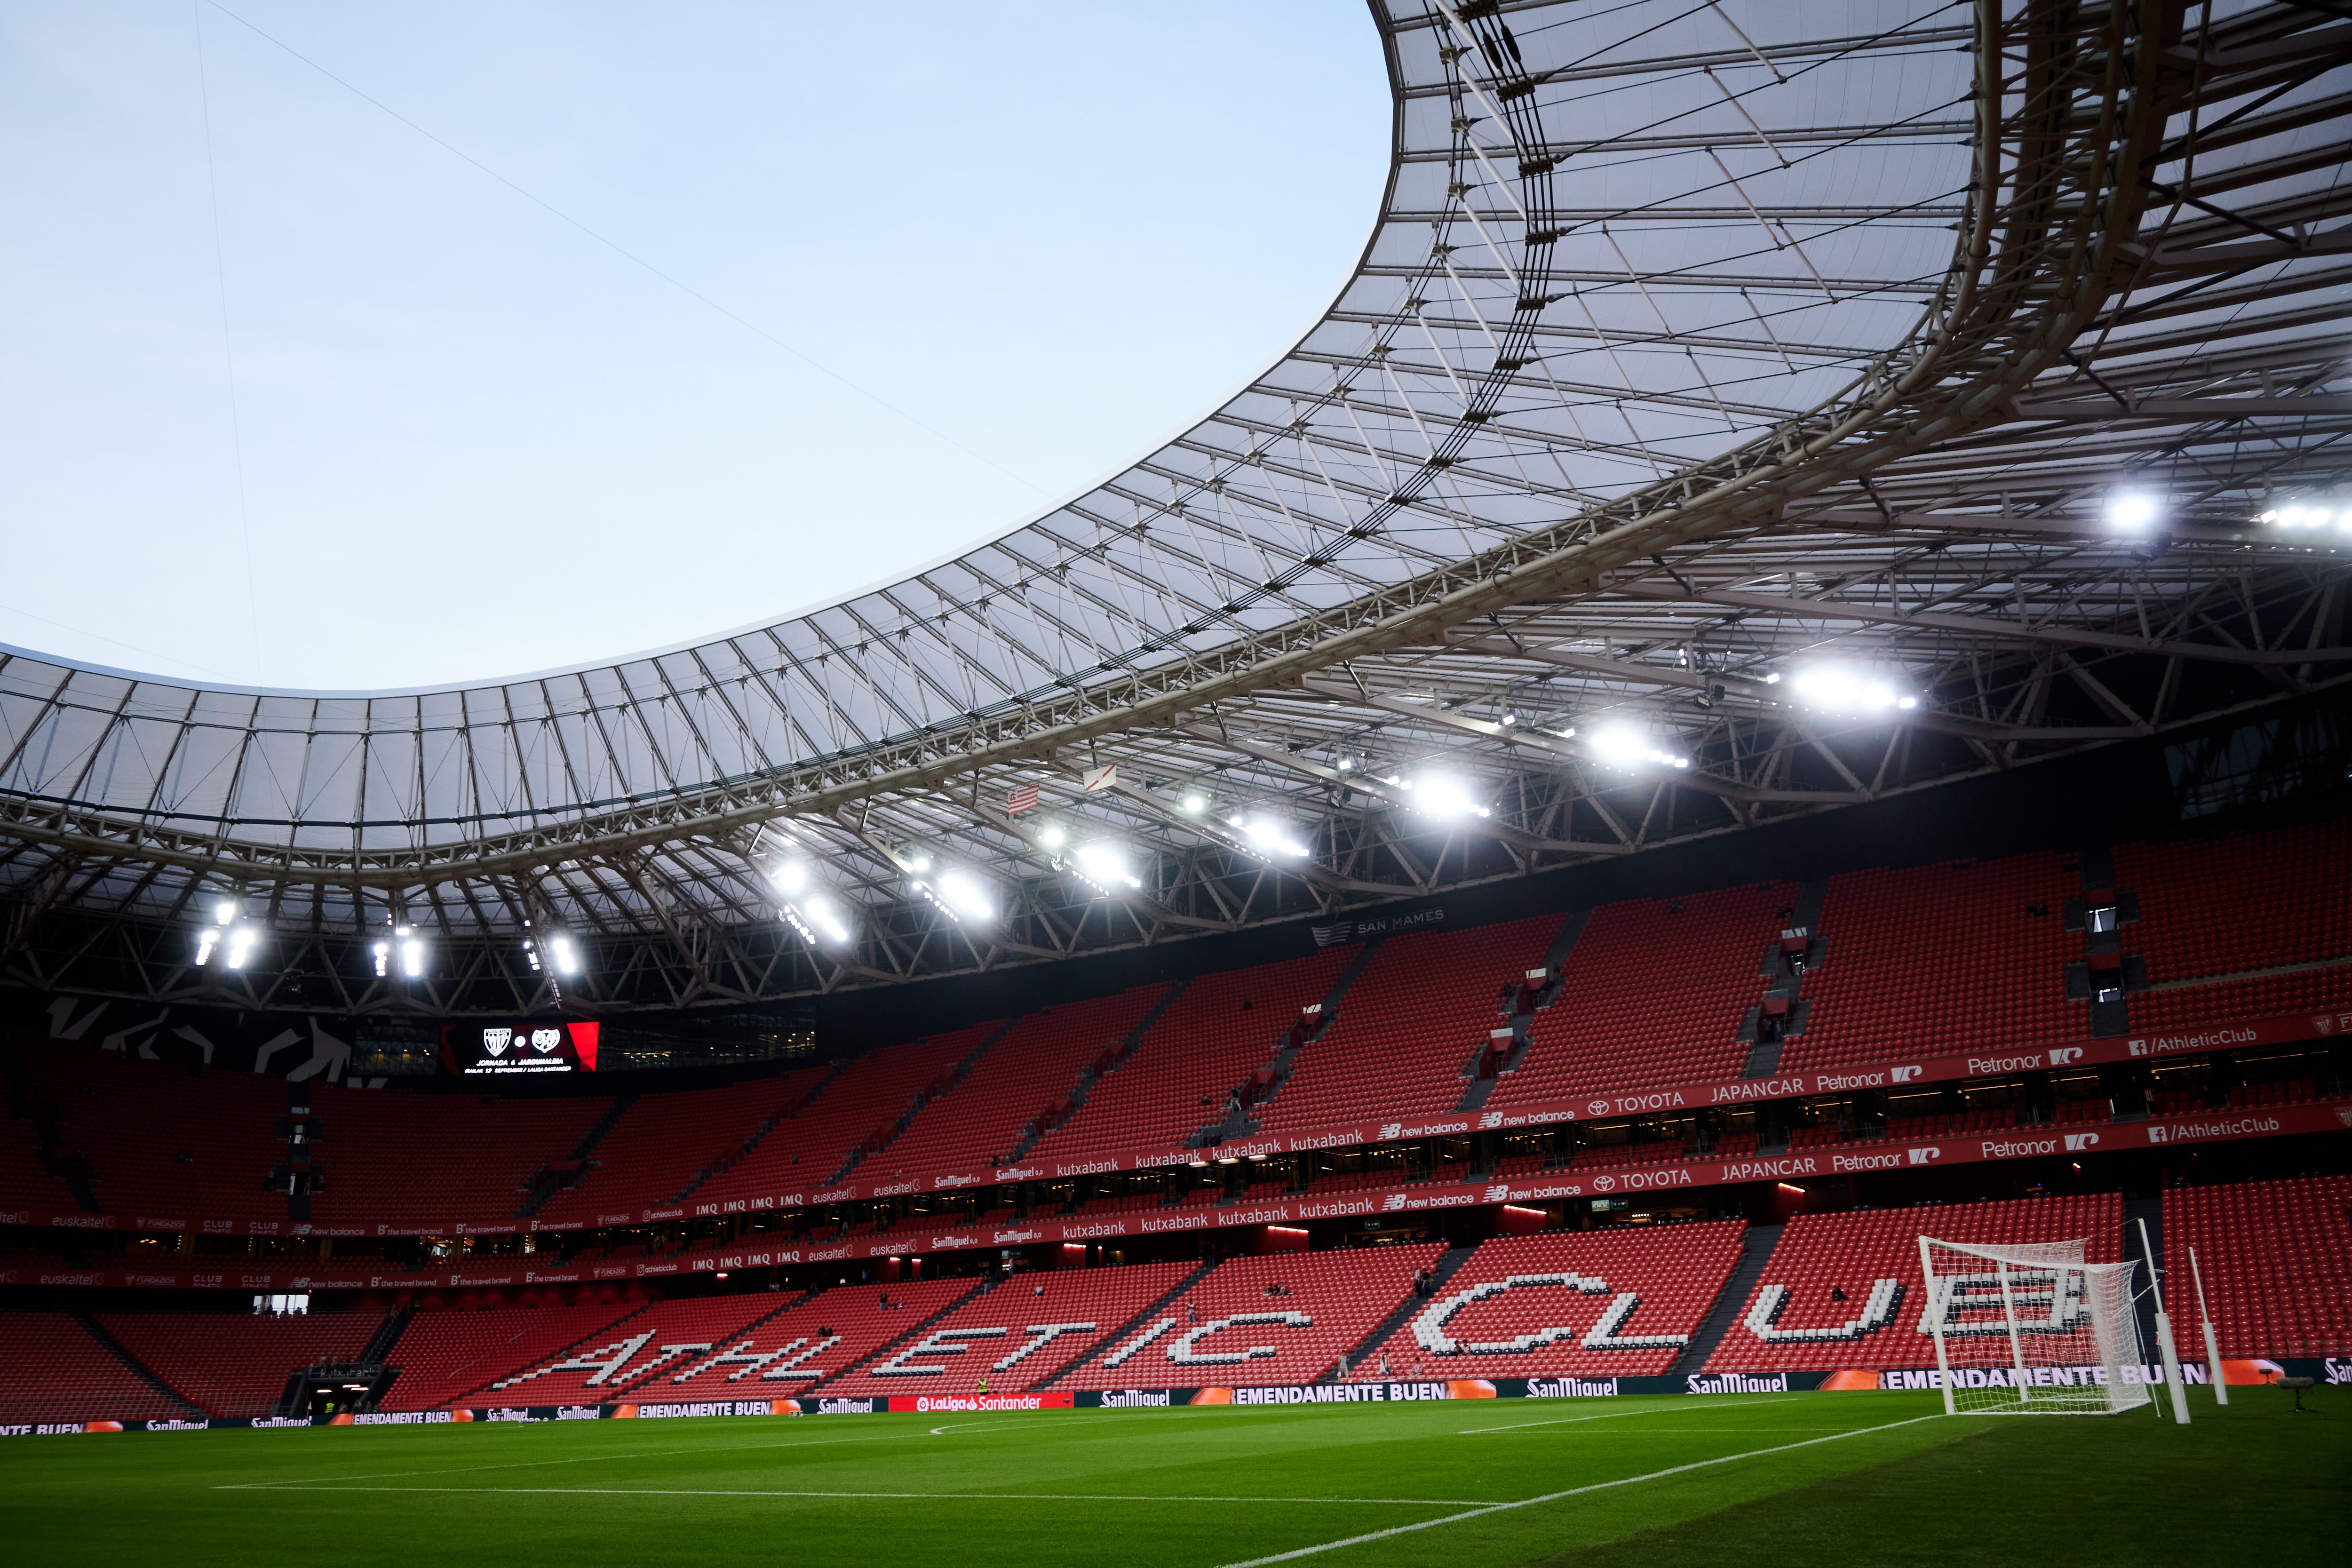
(902, 1497)
(1613, 1415)
(1572, 1491)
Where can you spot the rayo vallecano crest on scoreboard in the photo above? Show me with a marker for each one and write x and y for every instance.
(507, 1050)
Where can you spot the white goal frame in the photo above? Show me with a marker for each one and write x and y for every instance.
(2082, 1356)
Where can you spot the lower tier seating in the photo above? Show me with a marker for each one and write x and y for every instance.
(1845, 1291)
(445, 1354)
(633, 1352)
(1287, 1316)
(2277, 1262)
(58, 1372)
(1621, 1302)
(820, 1337)
(237, 1363)
(1019, 1334)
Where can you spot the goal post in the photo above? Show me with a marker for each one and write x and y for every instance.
(2031, 1329)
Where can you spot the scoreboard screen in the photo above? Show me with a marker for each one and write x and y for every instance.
(507, 1050)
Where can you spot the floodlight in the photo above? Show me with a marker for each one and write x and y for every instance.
(565, 952)
(381, 953)
(1104, 862)
(1445, 797)
(1052, 837)
(206, 939)
(919, 861)
(1843, 689)
(224, 911)
(2309, 513)
(1195, 803)
(411, 952)
(241, 940)
(789, 876)
(826, 918)
(2131, 510)
(966, 895)
(1622, 746)
(1269, 835)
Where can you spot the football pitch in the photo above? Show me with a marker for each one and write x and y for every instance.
(1797, 1479)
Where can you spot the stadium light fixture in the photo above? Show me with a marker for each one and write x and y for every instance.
(1269, 837)
(1104, 862)
(1840, 688)
(411, 952)
(382, 953)
(208, 941)
(790, 877)
(566, 953)
(1622, 746)
(1194, 803)
(964, 896)
(2128, 511)
(2313, 513)
(1052, 836)
(1445, 797)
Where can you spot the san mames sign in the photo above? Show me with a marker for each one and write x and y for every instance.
(503, 1050)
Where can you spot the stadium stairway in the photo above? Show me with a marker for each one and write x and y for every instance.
(139, 1369)
(1092, 1076)
(1134, 1325)
(542, 1190)
(1555, 960)
(1447, 1266)
(882, 1351)
(1242, 1122)
(924, 1098)
(1756, 1251)
(1763, 1054)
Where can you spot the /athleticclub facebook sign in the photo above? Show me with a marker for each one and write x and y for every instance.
(504, 1050)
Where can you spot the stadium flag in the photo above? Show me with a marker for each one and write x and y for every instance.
(1022, 799)
(1099, 778)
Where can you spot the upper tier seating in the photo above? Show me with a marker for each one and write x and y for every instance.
(2277, 1262)
(821, 1337)
(1879, 1325)
(158, 1140)
(631, 1356)
(2244, 901)
(663, 1141)
(1287, 1316)
(1036, 1064)
(861, 1107)
(1224, 1027)
(1941, 960)
(57, 1371)
(1019, 1334)
(426, 1159)
(445, 1354)
(1480, 1325)
(1653, 993)
(237, 1363)
(1410, 1026)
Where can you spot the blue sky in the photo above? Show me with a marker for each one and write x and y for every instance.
(477, 441)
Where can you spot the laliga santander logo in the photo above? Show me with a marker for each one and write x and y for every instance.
(495, 1041)
(545, 1040)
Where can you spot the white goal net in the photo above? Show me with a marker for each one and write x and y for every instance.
(2032, 1330)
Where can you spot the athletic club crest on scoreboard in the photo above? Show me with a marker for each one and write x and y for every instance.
(502, 1050)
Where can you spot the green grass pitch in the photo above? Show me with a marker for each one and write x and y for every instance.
(1765, 1479)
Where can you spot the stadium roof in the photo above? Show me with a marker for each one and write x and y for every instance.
(1737, 411)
